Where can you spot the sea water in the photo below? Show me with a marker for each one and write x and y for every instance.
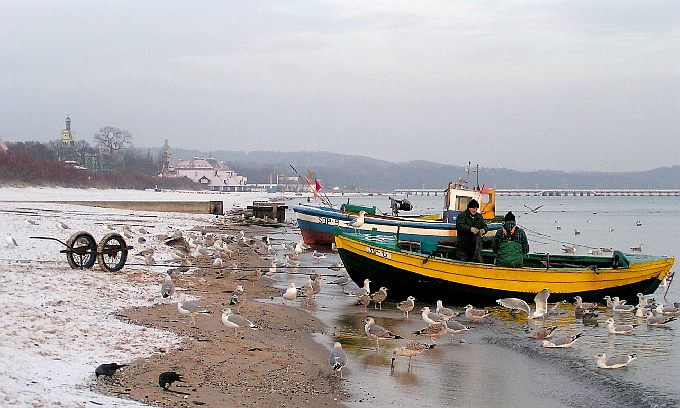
(495, 364)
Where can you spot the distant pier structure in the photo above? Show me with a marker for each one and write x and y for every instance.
(419, 191)
(553, 192)
(589, 192)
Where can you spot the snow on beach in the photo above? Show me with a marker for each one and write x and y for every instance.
(57, 324)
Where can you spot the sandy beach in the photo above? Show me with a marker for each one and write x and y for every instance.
(277, 365)
(59, 323)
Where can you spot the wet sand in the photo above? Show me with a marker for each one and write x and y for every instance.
(282, 365)
(278, 365)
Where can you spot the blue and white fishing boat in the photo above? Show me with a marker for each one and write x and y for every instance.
(318, 224)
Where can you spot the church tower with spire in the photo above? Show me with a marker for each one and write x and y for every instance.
(68, 136)
(164, 159)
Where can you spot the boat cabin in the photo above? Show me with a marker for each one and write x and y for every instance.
(458, 196)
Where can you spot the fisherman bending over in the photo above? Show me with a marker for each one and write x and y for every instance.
(510, 243)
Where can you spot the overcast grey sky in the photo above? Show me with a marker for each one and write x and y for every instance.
(563, 85)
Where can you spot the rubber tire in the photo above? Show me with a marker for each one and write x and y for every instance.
(110, 240)
(92, 249)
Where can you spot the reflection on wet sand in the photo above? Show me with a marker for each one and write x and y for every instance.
(496, 364)
(375, 360)
(404, 377)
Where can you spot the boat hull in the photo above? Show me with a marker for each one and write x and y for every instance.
(404, 274)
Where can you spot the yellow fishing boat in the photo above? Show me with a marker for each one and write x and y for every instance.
(402, 267)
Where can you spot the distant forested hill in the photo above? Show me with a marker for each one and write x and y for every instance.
(373, 174)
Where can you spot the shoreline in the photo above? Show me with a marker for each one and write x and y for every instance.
(276, 366)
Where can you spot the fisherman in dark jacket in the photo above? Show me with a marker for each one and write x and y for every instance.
(470, 228)
(510, 243)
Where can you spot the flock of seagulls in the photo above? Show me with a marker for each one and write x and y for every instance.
(442, 320)
(438, 321)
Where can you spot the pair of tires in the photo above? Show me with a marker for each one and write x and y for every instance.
(83, 251)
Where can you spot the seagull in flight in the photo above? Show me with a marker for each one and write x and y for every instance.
(535, 209)
(541, 301)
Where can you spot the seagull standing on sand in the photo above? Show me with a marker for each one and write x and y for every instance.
(237, 296)
(318, 255)
(190, 307)
(337, 358)
(410, 350)
(430, 317)
(167, 287)
(378, 297)
(10, 241)
(377, 333)
(252, 277)
(406, 305)
(434, 331)
(364, 301)
(149, 260)
(342, 282)
(365, 291)
(476, 315)
(456, 327)
(614, 361)
(31, 222)
(62, 226)
(235, 321)
(217, 262)
(290, 293)
(445, 311)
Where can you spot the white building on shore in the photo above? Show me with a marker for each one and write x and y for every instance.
(212, 173)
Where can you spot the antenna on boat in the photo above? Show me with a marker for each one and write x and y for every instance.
(477, 171)
(323, 196)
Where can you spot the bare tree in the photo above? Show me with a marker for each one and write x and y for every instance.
(113, 140)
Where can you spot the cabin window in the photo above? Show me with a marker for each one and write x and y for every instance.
(462, 202)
